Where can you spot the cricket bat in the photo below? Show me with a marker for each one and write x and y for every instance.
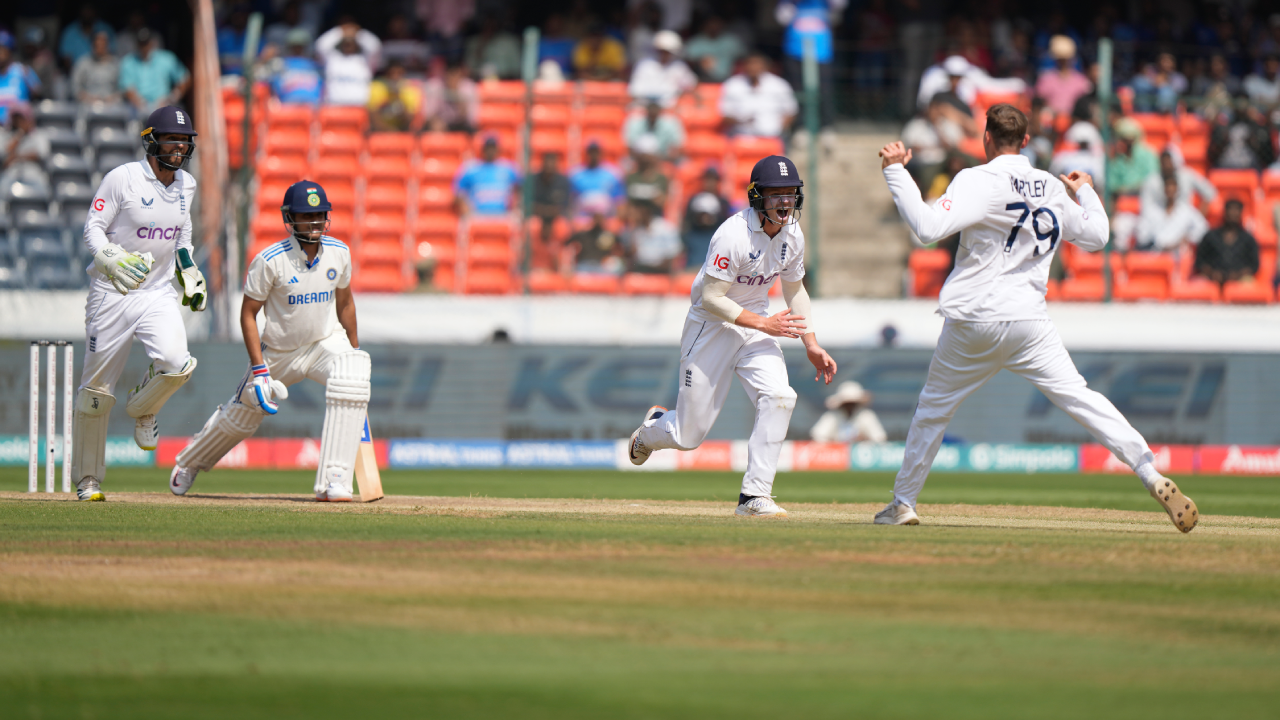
(367, 476)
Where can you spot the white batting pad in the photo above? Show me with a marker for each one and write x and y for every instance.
(155, 389)
(346, 399)
(89, 433)
(228, 425)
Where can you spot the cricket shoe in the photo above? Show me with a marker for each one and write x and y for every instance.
(758, 506)
(146, 432)
(1182, 509)
(181, 479)
(334, 492)
(639, 452)
(88, 490)
(896, 513)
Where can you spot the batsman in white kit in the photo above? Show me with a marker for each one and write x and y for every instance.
(303, 285)
(729, 332)
(139, 231)
(1011, 218)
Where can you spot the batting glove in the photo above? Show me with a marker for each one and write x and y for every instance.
(265, 390)
(125, 270)
(189, 281)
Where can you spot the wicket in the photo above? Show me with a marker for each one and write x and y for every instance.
(51, 405)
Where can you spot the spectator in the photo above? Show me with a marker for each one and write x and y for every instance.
(811, 20)
(153, 77)
(77, 38)
(849, 418)
(493, 54)
(18, 83)
(126, 39)
(395, 102)
(930, 137)
(1189, 181)
(647, 185)
(1039, 149)
(1264, 89)
(596, 249)
(1082, 150)
(295, 78)
(1159, 86)
(1217, 88)
(955, 162)
(965, 79)
(96, 76)
(349, 54)
(400, 45)
(551, 194)
(706, 212)
(231, 39)
(1062, 85)
(1132, 162)
(26, 152)
(1241, 139)
(757, 102)
(277, 33)
(452, 103)
(1228, 253)
(43, 63)
(653, 243)
(554, 44)
(489, 186)
(665, 128)
(713, 51)
(665, 77)
(598, 56)
(1169, 223)
(596, 184)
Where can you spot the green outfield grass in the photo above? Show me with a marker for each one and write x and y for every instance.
(224, 608)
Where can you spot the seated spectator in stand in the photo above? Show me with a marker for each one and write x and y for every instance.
(18, 83)
(1062, 85)
(706, 212)
(349, 54)
(1039, 149)
(713, 52)
(295, 78)
(1216, 89)
(1264, 89)
(1170, 223)
(1083, 151)
(665, 128)
(399, 45)
(596, 184)
(395, 102)
(647, 184)
(231, 39)
(849, 418)
(1228, 253)
(1132, 162)
(596, 250)
(928, 147)
(598, 56)
(96, 76)
(488, 186)
(26, 151)
(152, 77)
(955, 162)
(77, 38)
(664, 77)
(1189, 181)
(452, 103)
(493, 54)
(43, 63)
(1243, 141)
(653, 243)
(1159, 86)
(551, 194)
(757, 102)
(555, 45)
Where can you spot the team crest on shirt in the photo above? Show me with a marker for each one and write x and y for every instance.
(333, 274)
(148, 203)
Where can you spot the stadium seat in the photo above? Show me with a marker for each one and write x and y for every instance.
(545, 282)
(384, 221)
(501, 91)
(545, 141)
(929, 267)
(595, 284)
(1052, 291)
(445, 277)
(500, 117)
(294, 117)
(1129, 204)
(645, 284)
(287, 142)
(378, 279)
(706, 147)
(1146, 276)
(682, 284)
(270, 196)
(442, 146)
(508, 143)
(266, 229)
(285, 168)
(750, 148)
(341, 144)
(64, 167)
(1240, 185)
(62, 140)
(700, 119)
(988, 98)
(495, 229)
(341, 224)
(602, 119)
(386, 197)
(23, 197)
(56, 114)
(98, 116)
(553, 116)
(485, 252)
(1089, 289)
(612, 148)
(342, 196)
(439, 169)
(342, 170)
(389, 167)
(345, 118)
(1247, 293)
(552, 93)
(1198, 290)
(435, 196)
(605, 93)
(489, 281)
(560, 229)
(1158, 129)
(391, 144)
(382, 249)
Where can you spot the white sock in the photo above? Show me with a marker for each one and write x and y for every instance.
(1147, 473)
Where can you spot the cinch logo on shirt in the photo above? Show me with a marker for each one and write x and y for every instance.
(756, 279)
(310, 298)
(153, 232)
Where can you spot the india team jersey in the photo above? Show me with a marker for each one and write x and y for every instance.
(300, 307)
(1011, 218)
(744, 255)
(137, 212)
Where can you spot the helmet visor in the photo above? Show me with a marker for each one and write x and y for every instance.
(783, 209)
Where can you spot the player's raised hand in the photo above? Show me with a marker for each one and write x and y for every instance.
(894, 152)
(783, 324)
(822, 362)
(1075, 181)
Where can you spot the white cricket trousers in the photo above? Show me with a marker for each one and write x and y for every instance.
(711, 353)
(113, 320)
(968, 354)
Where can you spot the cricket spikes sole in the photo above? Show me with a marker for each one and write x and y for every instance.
(761, 506)
(896, 513)
(88, 490)
(638, 452)
(181, 479)
(1182, 509)
(146, 432)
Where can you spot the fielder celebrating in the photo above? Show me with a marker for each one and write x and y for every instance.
(303, 283)
(1010, 217)
(139, 231)
(729, 331)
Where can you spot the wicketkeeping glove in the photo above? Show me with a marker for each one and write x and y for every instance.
(189, 281)
(125, 270)
(265, 389)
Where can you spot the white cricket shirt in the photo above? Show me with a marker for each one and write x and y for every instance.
(1011, 218)
(137, 212)
(744, 255)
(299, 297)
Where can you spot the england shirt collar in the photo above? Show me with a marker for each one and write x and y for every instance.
(1010, 159)
(756, 225)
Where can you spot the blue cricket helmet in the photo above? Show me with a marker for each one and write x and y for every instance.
(306, 196)
(172, 120)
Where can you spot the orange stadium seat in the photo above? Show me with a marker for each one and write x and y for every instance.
(501, 91)
(987, 98)
(1247, 293)
(552, 116)
(1198, 290)
(700, 119)
(605, 93)
(271, 195)
(612, 148)
(500, 117)
(751, 148)
(708, 147)
(1240, 185)
(645, 284)
(552, 93)
(929, 268)
(1270, 186)
(341, 144)
(386, 195)
(351, 118)
(1090, 289)
(434, 169)
(445, 277)
(287, 142)
(508, 143)
(1052, 291)
(288, 168)
(342, 196)
(294, 117)
(382, 249)
(378, 279)
(489, 281)
(682, 284)
(484, 252)
(595, 284)
(545, 141)
(1129, 204)
(1157, 128)
(391, 144)
(545, 282)
(384, 221)
(442, 146)
(389, 167)
(1146, 277)
(602, 119)
(435, 196)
